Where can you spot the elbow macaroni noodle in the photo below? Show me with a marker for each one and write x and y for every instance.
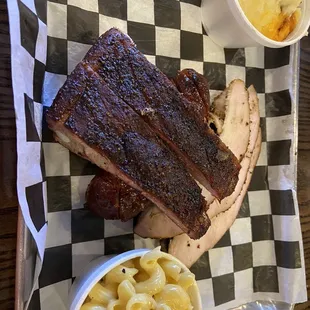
(152, 282)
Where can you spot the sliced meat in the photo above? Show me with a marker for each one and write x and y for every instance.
(90, 120)
(218, 106)
(219, 225)
(151, 94)
(245, 146)
(254, 117)
(235, 129)
(224, 214)
(153, 223)
(109, 197)
(240, 130)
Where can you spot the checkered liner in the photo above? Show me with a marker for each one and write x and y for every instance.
(260, 257)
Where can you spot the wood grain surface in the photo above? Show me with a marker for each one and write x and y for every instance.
(303, 181)
(8, 199)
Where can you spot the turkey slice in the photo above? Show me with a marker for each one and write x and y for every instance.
(219, 225)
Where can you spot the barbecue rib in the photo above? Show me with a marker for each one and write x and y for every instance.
(151, 94)
(241, 119)
(111, 198)
(92, 121)
(220, 224)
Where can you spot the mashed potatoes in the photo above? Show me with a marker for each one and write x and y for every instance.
(275, 19)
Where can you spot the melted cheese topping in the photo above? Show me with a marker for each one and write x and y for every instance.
(275, 19)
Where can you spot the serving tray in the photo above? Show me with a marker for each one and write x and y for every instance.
(170, 34)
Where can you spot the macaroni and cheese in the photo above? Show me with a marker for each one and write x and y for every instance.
(150, 282)
(275, 19)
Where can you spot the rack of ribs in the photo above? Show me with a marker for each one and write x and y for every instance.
(155, 98)
(119, 111)
(92, 121)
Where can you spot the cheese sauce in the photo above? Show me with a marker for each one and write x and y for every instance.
(275, 19)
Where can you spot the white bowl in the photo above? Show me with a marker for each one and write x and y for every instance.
(99, 267)
(227, 25)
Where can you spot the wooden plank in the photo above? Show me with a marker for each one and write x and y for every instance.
(8, 198)
(303, 181)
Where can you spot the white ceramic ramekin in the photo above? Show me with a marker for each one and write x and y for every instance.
(99, 267)
(227, 25)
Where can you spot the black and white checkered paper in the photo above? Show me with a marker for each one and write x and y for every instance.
(260, 257)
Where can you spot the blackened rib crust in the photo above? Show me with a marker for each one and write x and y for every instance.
(150, 93)
(88, 108)
(187, 82)
(202, 86)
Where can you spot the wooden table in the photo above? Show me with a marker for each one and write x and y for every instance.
(8, 199)
(303, 181)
